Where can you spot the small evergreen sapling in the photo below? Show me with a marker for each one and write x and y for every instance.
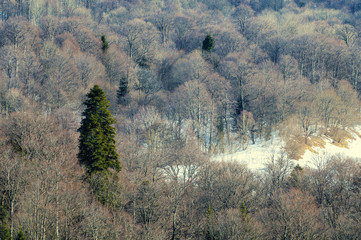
(21, 235)
(4, 229)
(123, 92)
(105, 43)
(208, 43)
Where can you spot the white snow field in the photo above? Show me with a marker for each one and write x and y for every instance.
(257, 155)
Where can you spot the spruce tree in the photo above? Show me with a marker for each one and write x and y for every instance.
(244, 212)
(96, 142)
(211, 232)
(105, 43)
(208, 43)
(123, 91)
(4, 229)
(21, 235)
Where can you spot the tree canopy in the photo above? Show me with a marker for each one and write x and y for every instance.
(190, 82)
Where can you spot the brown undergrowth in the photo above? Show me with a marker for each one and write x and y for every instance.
(296, 144)
(339, 136)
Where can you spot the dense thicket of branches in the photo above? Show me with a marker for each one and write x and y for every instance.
(287, 65)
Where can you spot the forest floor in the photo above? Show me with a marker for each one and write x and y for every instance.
(258, 155)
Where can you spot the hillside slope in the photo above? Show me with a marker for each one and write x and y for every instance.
(258, 155)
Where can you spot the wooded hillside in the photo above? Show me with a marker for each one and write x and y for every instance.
(185, 80)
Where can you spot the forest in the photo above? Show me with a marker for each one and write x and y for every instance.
(178, 82)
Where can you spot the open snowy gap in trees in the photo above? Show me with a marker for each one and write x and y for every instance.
(257, 155)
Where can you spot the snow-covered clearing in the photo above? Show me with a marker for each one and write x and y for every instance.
(257, 155)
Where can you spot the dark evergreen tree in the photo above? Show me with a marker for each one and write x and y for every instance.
(208, 43)
(96, 142)
(4, 229)
(106, 189)
(4, 232)
(105, 43)
(21, 235)
(211, 231)
(244, 212)
(300, 3)
(123, 91)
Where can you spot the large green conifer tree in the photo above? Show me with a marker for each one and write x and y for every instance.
(96, 142)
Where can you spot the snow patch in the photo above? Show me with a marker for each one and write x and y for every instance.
(353, 150)
(257, 155)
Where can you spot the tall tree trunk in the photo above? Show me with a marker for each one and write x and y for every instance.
(211, 129)
(174, 224)
(57, 213)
